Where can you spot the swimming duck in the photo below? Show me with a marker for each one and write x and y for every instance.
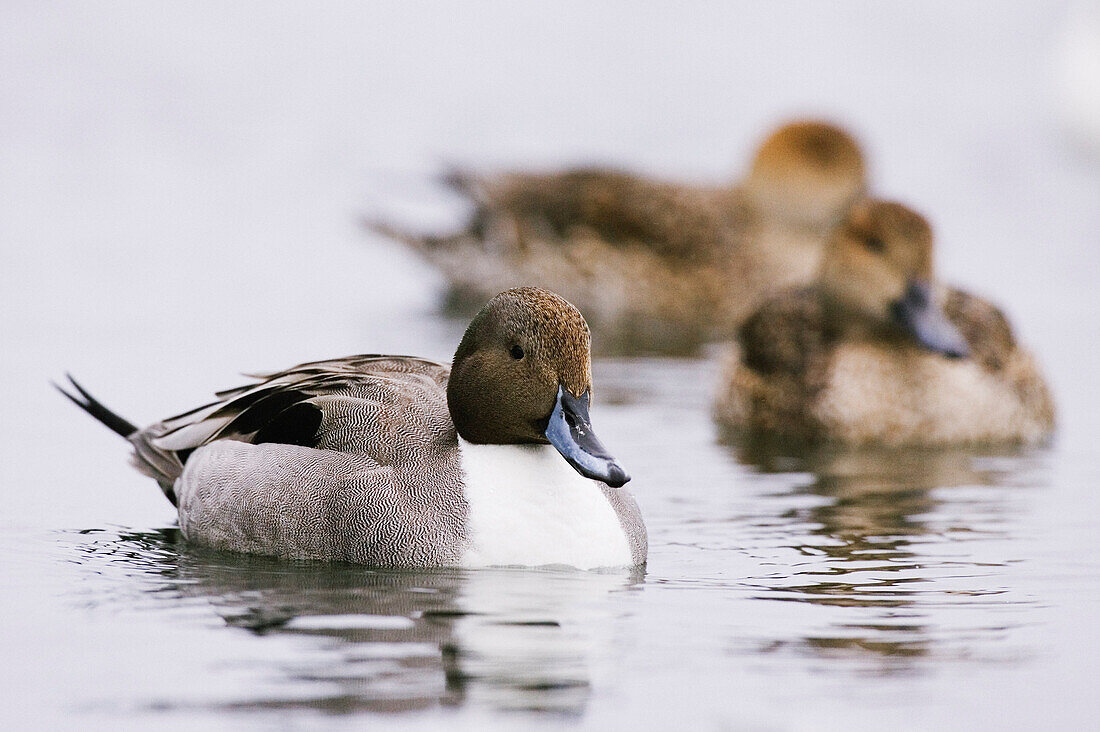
(876, 352)
(657, 266)
(402, 462)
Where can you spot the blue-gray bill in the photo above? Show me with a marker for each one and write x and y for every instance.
(919, 314)
(570, 432)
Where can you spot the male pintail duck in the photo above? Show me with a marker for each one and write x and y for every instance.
(656, 266)
(398, 461)
(876, 352)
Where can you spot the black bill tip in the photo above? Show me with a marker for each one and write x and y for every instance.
(616, 476)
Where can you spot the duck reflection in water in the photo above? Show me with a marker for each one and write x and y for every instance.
(874, 542)
(386, 640)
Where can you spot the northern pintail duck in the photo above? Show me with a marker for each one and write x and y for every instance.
(876, 352)
(398, 461)
(656, 266)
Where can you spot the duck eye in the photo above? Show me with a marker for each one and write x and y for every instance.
(875, 244)
(517, 352)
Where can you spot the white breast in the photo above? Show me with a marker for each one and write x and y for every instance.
(528, 507)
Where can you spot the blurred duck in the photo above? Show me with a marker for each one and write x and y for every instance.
(875, 352)
(655, 266)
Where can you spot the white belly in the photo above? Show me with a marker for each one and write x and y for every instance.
(528, 507)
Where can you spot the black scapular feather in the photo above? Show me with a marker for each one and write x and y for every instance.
(295, 425)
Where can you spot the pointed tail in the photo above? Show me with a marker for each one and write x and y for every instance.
(389, 231)
(92, 406)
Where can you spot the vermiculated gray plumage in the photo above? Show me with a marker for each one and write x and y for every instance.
(630, 518)
(380, 481)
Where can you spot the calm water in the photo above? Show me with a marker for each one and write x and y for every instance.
(179, 201)
(831, 589)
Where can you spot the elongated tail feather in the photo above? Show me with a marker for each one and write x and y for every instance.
(91, 405)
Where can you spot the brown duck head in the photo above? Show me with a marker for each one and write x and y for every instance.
(878, 268)
(807, 173)
(523, 374)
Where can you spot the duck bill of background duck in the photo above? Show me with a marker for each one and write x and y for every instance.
(570, 432)
(923, 318)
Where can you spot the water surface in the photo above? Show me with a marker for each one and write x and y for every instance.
(818, 588)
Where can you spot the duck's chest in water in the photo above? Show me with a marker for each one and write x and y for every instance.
(527, 506)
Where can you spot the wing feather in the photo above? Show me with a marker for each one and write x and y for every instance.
(283, 406)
